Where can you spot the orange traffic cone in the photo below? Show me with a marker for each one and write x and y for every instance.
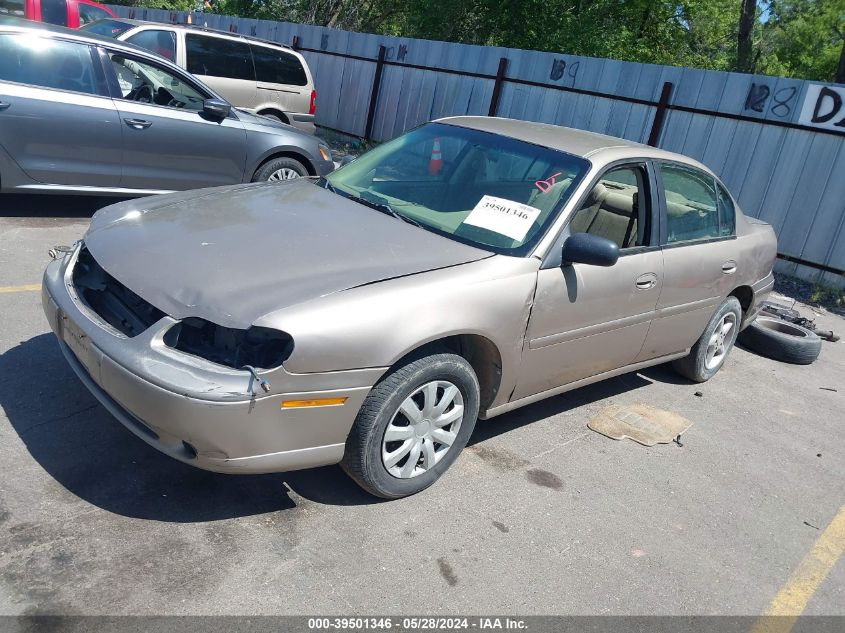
(435, 164)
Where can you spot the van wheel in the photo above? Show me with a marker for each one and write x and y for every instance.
(710, 351)
(412, 426)
(275, 117)
(282, 168)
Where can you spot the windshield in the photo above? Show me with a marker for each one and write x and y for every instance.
(109, 28)
(483, 189)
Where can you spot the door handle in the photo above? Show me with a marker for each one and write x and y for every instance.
(4, 105)
(138, 124)
(729, 267)
(646, 281)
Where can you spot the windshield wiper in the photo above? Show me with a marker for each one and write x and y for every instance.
(385, 208)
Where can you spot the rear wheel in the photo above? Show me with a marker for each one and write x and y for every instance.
(282, 168)
(710, 351)
(412, 426)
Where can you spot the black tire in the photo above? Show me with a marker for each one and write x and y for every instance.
(781, 340)
(362, 459)
(273, 165)
(694, 365)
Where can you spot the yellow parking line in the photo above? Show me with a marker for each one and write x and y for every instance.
(24, 288)
(792, 599)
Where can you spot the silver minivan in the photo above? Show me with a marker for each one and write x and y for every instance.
(262, 77)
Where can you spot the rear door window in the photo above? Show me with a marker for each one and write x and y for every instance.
(277, 67)
(157, 41)
(54, 12)
(727, 213)
(13, 7)
(218, 57)
(46, 63)
(690, 203)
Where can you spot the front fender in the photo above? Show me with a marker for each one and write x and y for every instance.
(377, 324)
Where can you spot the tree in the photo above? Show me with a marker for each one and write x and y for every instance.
(804, 38)
(747, 15)
(797, 38)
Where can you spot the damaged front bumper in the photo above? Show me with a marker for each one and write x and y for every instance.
(196, 411)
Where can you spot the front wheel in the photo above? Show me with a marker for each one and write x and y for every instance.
(412, 426)
(710, 351)
(283, 168)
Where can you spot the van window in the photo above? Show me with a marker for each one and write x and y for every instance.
(46, 63)
(13, 7)
(157, 41)
(218, 57)
(54, 12)
(277, 67)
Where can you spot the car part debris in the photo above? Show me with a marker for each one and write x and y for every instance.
(643, 424)
(59, 251)
(265, 386)
(781, 340)
(793, 316)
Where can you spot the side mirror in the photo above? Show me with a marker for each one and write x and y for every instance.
(347, 159)
(583, 248)
(216, 109)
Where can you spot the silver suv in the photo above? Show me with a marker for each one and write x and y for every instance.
(262, 77)
(88, 114)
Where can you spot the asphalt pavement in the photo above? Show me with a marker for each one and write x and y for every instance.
(539, 515)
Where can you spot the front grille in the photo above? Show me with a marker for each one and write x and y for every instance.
(111, 300)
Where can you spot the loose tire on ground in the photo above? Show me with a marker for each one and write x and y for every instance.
(368, 446)
(283, 168)
(710, 351)
(781, 340)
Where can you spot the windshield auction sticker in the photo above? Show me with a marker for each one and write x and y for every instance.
(503, 216)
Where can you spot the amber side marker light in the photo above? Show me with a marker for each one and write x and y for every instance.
(322, 402)
(325, 154)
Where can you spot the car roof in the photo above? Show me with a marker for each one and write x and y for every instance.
(570, 140)
(202, 29)
(19, 24)
(22, 26)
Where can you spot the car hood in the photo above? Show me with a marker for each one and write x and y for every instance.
(233, 254)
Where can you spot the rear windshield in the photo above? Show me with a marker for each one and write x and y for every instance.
(109, 28)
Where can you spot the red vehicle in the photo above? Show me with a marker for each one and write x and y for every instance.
(70, 13)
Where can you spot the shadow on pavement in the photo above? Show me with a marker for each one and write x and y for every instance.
(20, 205)
(93, 456)
(89, 453)
(486, 429)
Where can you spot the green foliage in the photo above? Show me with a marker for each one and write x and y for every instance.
(803, 38)
(174, 5)
(800, 38)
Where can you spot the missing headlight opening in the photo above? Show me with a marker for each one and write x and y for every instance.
(111, 300)
(258, 346)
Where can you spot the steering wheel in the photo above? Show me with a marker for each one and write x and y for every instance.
(144, 94)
